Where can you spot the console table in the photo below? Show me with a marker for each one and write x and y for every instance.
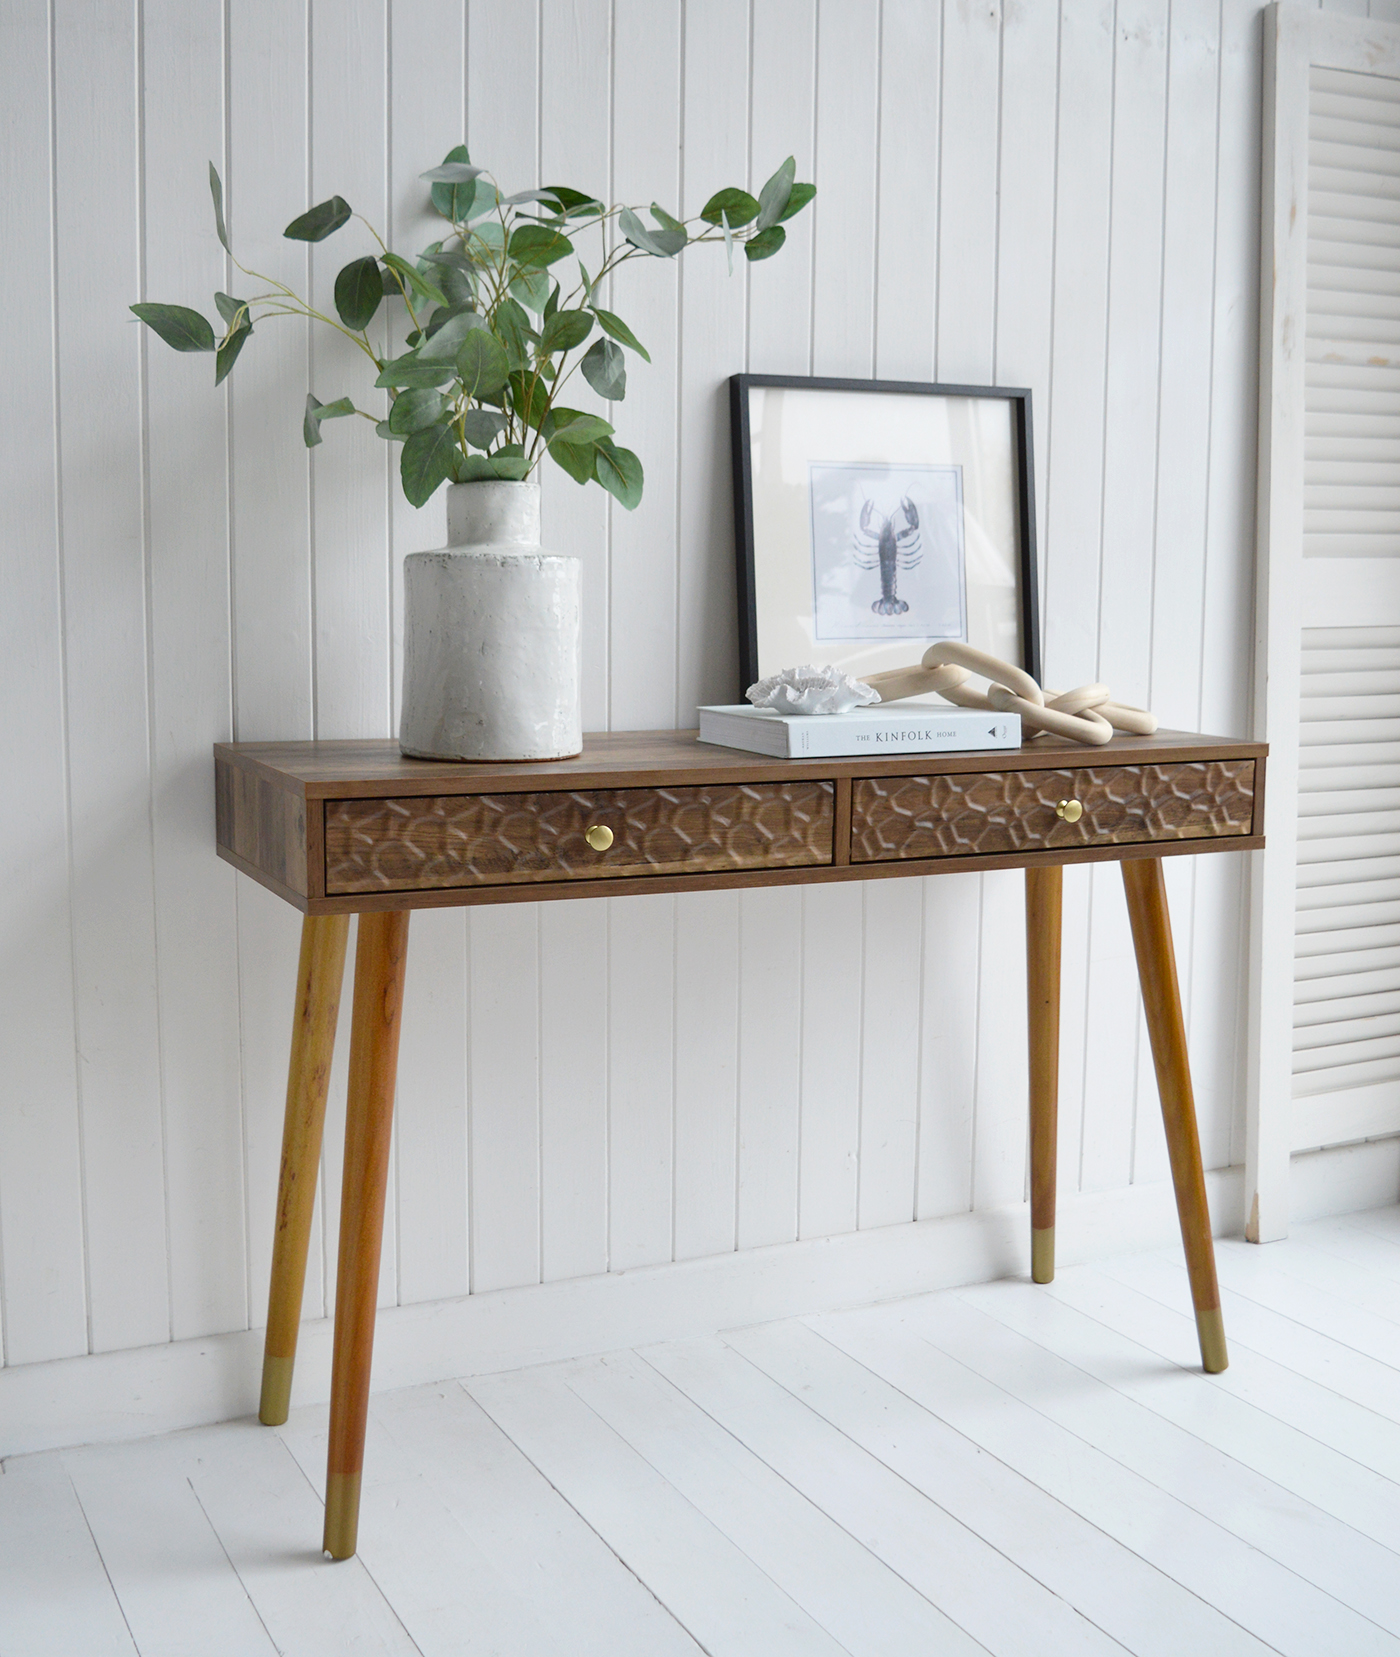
(341, 828)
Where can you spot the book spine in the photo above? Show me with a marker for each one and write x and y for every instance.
(822, 744)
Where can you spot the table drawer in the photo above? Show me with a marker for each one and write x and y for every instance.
(1015, 811)
(450, 840)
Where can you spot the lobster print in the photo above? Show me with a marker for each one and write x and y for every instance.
(879, 540)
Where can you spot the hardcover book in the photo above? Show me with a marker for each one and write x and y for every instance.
(892, 729)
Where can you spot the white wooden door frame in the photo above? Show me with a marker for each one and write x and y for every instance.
(1295, 39)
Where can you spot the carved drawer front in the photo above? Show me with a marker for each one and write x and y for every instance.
(1017, 811)
(497, 839)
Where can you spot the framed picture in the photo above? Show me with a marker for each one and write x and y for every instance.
(877, 517)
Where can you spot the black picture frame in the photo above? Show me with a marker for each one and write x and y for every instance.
(748, 553)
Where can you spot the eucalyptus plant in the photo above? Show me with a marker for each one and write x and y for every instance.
(493, 327)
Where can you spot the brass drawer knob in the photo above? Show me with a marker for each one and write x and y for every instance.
(600, 837)
(1070, 810)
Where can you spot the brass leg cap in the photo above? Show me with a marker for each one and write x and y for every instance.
(1043, 1255)
(1210, 1326)
(276, 1390)
(342, 1514)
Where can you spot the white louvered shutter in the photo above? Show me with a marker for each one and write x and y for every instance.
(1346, 1015)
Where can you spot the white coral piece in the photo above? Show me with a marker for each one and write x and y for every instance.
(811, 690)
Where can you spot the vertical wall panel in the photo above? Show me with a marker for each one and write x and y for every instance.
(641, 1115)
(505, 1119)
(105, 608)
(638, 605)
(573, 1089)
(889, 1059)
(42, 1308)
(575, 145)
(910, 89)
(770, 1034)
(196, 918)
(715, 123)
(780, 289)
(707, 1067)
(848, 85)
(948, 1044)
(833, 965)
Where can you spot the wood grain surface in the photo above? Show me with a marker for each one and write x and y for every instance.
(423, 842)
(1016, 811)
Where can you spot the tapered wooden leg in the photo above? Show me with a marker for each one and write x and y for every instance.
(380, 956)
(1152, 939)
(1043, 901)
(319, 979)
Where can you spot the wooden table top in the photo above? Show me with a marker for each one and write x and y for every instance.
(369, 768)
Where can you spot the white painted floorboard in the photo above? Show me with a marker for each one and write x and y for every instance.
(1003, 1469)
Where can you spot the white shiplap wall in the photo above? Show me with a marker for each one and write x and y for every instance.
(1067, 202)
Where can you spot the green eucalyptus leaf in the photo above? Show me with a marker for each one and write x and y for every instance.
(178, 326)
(452, 172)
(492, 237)
(413, 410)
(358, 291)
(229, 307)
(576, 459)
(661, 244)
(410, 371)
(481, 428)
(572, 426)
(320, 221)
(443, 343)
(429, 458)
(532, 288)
(572, 203)
(454, 200)
(605, 369)
(766, 243)
(537, 245)
(513, 468)
(801, 195)
(481, 363)
(486, 200)
(229, 347)
(387, 432)
(551, 305)
(774, 196)
(515, 333)
(738, 206)
(587, 283)
(316, 412)
(620, 473)
(619, 330)
(414, 279)
(473, 469)
(216, 189)
(529, 397)
(565, 330)
(672, 233)
(454, 273)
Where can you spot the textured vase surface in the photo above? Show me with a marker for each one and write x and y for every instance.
(492, 631)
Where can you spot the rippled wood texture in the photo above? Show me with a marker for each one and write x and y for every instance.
(1014, 811)
(436, 841)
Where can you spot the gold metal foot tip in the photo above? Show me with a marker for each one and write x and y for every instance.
(1210, 1326)
(276, 1390)
(342, 1514)
(1043, 1255)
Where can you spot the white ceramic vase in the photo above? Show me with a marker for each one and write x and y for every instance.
(492, 627)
